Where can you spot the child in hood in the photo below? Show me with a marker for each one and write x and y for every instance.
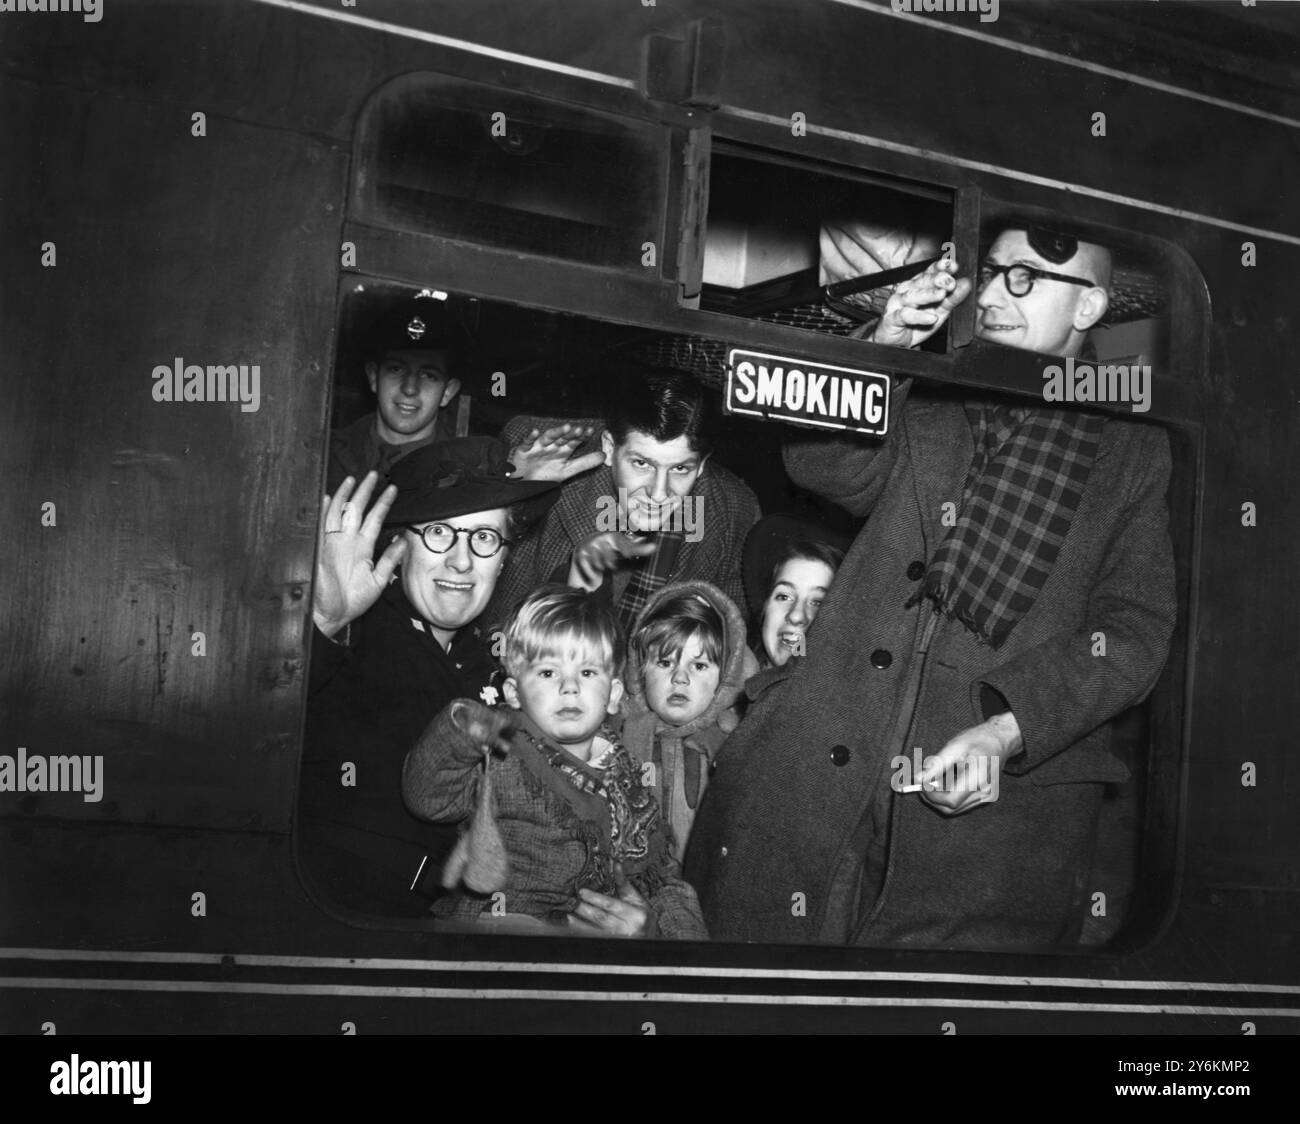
(687, 664)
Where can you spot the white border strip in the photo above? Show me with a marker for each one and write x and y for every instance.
(953, 28)
(1009, 173)
(467, 993)
(683, 970)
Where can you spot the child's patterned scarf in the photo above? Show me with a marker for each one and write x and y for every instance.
(633, 810)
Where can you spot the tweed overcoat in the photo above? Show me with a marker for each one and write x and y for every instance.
(801, 836)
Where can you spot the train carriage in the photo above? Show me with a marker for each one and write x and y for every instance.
(237, 187)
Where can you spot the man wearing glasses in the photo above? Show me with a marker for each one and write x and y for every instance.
(930, 774)
(1035, 306)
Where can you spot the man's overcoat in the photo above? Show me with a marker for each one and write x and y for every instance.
(801, 836)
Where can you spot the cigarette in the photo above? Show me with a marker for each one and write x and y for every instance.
(910, 788)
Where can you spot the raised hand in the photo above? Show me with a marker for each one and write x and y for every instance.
(484, 725)
(602, 552)
(919, 307)
(600, 915)
(548, 454)
(348, 579)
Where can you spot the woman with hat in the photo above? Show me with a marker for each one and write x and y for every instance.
(396, 642)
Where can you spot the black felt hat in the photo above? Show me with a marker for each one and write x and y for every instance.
(766, 542)
(466, 474)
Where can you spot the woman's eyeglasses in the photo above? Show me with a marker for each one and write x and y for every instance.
(441, 537)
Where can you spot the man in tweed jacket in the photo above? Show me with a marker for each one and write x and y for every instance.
(659, 510)
(806, 833)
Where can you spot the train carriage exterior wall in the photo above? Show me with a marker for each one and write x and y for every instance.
(192, 166)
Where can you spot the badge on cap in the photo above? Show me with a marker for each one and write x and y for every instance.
(1053, 245)
(416, 328)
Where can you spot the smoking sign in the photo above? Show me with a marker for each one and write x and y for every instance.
(782, 388)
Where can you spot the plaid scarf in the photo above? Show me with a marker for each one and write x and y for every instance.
(1021, 492)
(650, 576)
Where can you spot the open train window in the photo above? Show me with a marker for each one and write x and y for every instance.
(1133, 357)
(762, 253)
(509, 170)
(484, 363)
(509, 360)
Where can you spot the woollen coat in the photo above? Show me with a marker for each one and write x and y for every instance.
(801, 836)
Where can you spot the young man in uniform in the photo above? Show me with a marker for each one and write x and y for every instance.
(414, 349)
(410, 357)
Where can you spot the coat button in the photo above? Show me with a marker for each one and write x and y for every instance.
(881, 659)
(915, 571)
(840, 755)
(724, 852)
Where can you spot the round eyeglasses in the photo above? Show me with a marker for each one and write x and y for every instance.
(1020, 278)
(441, 537)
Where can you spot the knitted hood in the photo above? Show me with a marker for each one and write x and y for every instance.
(739, 665)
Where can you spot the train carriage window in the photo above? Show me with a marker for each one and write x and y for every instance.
(1141, 274)
(503, 169)
(374, 686)
(493, 362)
(761, 252)
(776, 235)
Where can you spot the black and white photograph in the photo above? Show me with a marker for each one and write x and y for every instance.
(650, 517)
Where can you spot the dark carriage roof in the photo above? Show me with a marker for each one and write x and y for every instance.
(1221, 49)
